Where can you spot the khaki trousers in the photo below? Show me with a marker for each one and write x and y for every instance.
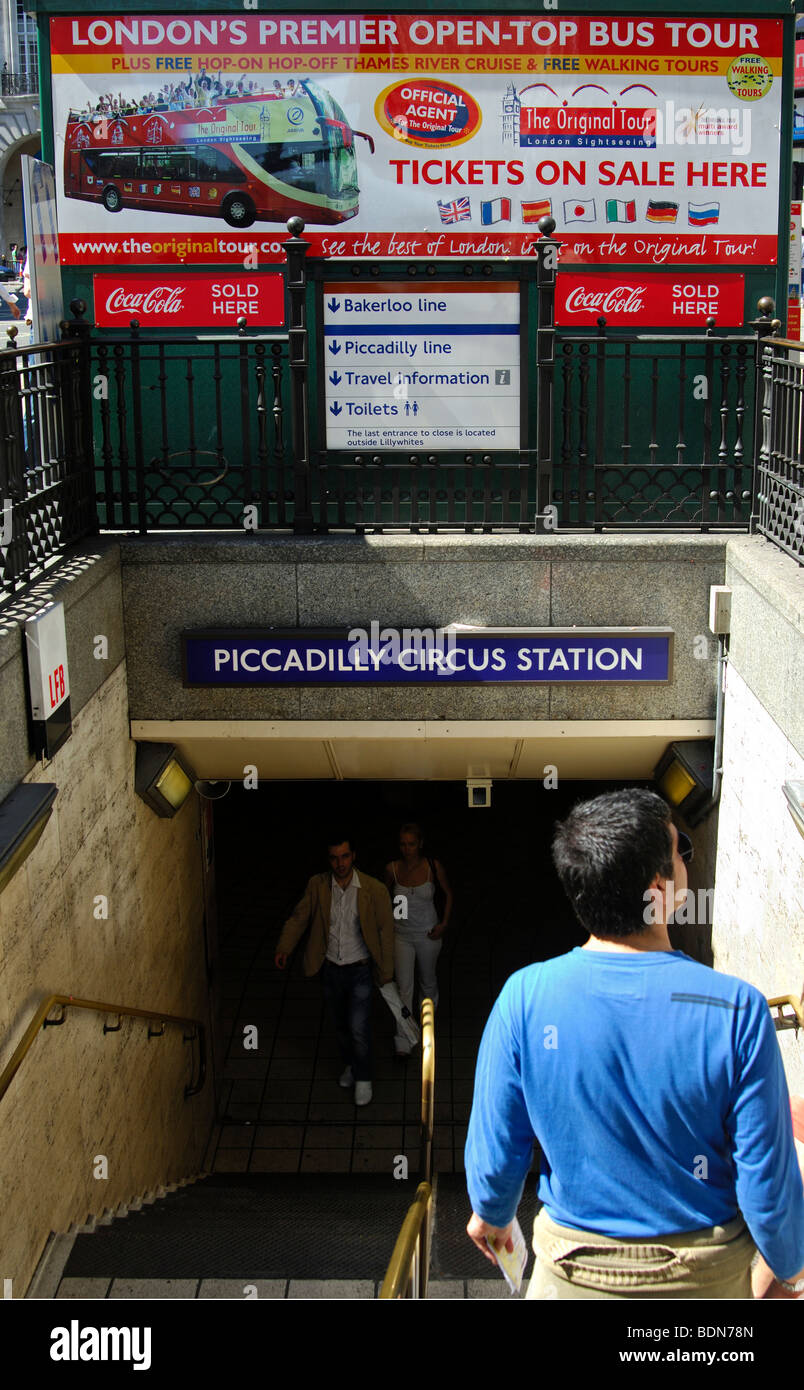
(710, 1263)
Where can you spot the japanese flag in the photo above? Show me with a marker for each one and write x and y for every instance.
(580, 210)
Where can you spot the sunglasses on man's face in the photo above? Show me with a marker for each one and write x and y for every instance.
(686, 848)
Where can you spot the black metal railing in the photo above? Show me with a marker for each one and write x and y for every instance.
(47, 483)
(654, 431)
(190, 433)
(19, 84)
(779, 470)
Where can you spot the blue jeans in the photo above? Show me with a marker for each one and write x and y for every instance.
(347, 992)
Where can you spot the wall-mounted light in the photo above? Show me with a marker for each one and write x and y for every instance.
(161, 778)
(23, 816)
(794, 791)
(684, 777)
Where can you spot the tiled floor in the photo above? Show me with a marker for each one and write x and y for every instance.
(282, 1109)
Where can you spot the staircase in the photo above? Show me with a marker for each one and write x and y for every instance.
(269, 1236)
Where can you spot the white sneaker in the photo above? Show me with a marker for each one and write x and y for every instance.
(363, 1092)
(346, 1079)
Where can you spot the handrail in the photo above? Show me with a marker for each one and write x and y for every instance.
(67, 1001)
(783, 1020)
(406, 1276)
(409, 1267)
(428, 1092)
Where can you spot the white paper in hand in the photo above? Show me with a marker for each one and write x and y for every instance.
(512, 1263)
(403, 1016)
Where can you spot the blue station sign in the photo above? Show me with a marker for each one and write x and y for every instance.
(427, 656)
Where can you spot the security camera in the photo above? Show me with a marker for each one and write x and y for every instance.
(479, 792)
(212, 791)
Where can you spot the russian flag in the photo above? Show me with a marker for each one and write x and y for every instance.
(496, 210)
(703, 214)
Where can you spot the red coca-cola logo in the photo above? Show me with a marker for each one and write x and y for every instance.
(621, 299)
(160, 299)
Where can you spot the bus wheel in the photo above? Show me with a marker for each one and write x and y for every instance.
(238, 210)
(112, 200)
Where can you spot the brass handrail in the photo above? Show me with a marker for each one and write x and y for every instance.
(406, 1276)
(782, 1020)
(67, 1001)
(428, 1092)
(409, 1267)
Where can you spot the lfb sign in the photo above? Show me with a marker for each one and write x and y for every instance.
(47, 662)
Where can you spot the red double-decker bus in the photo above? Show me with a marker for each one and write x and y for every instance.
(247, 158)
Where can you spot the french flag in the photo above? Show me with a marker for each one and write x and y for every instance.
(496, 210)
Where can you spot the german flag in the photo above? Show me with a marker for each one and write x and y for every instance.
(661, 212)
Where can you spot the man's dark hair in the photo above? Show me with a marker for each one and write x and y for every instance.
(607, 853)
(340, 837)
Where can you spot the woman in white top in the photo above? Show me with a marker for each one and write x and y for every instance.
(417, 934)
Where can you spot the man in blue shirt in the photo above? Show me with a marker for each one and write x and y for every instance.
(653, 1085)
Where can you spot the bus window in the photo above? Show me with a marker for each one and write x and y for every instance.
(307, 166)
(217, 166)
(125, 165)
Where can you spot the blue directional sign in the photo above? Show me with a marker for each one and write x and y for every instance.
(433, 367)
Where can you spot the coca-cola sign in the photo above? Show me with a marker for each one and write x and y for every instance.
(190, 301)
(650, 300)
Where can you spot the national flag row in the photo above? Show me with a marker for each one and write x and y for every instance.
(579, 210)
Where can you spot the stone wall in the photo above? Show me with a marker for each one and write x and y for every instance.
(407, 581)
(759, 895)
(79, 1093)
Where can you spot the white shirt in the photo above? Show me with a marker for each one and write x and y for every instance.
(345, 945)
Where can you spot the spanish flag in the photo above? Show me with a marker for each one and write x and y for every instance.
(531, 212)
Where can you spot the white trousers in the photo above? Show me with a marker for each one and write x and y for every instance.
(408, 951)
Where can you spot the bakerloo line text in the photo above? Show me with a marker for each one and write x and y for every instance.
(360, 658)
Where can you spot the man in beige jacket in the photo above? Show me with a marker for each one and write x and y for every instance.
(351, 941)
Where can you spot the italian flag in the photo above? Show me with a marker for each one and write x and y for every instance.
(618, 210)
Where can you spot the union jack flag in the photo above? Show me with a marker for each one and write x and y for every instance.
(459, 210)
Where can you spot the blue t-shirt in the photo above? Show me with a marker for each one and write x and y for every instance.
(655, 1089)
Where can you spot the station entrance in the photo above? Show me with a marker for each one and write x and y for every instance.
(280, 1106)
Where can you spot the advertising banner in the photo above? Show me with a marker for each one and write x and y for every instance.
(188, 301)
(662, 299)
(794, 274)
(46, 309)
(651, 142)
